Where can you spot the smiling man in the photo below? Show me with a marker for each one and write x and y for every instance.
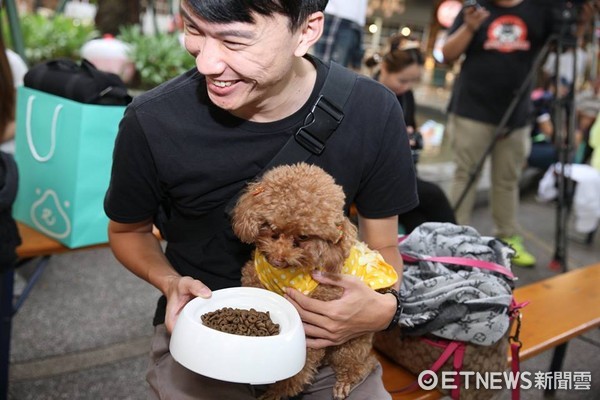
(194, 142)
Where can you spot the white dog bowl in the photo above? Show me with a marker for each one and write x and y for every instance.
(236, 358)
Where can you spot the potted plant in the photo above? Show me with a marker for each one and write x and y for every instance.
(57, 36)
(157, 57)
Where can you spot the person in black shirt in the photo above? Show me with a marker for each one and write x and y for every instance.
(196, 140)
(500, 40)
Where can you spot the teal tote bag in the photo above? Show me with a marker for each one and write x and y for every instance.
(64, 154)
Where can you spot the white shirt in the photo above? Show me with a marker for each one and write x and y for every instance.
(353, 10)
(565, 64)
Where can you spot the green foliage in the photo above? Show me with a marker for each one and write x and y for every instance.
(58, 36)
(157, 58)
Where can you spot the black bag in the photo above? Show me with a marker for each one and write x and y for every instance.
(83, 83)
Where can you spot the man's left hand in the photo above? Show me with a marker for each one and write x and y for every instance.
(360, 310)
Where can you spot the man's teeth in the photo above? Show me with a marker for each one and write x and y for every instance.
(222, 83)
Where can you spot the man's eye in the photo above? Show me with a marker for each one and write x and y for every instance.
(191, 29)
(233, 45)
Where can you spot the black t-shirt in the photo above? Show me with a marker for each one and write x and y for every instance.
(498, 59)
(173, 141)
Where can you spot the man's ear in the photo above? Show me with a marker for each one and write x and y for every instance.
(310, 32)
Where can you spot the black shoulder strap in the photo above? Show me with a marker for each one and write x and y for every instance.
(323, 119)
(321, 122)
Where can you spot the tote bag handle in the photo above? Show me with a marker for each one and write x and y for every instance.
(32, 149)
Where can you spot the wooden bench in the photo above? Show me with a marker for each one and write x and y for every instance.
(561, 308)
(550, 320)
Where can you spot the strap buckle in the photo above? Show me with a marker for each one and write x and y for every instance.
(323, 119)
(515, 338)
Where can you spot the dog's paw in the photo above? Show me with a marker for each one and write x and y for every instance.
(341, 390)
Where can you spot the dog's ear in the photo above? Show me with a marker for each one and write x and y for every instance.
(333, 259)
(245, 221)
(348, 238)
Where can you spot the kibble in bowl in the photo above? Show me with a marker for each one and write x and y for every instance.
(234, 357)
(241, 322)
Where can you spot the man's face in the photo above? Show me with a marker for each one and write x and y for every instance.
(246, 65)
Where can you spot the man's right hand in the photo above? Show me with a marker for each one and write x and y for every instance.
(474, 17)
(180, 291)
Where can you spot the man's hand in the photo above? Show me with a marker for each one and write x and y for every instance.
(474, 17)
(457, 43)
(180, 291)
(360, 310)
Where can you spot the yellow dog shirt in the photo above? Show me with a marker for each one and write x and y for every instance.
(366, 264)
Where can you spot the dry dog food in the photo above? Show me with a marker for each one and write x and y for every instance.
(241, 322)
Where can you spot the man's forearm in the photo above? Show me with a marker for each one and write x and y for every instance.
(392, 256)
(141, 253)
(457, 43)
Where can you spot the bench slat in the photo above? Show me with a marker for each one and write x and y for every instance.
(36, 244)
(561, 308)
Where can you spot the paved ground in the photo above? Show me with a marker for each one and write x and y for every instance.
(84, 331)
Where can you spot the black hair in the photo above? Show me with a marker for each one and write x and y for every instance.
(403, 52)
(225, 11)
(398, 59)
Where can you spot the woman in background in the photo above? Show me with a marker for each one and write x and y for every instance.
(9, 235)
(401, 68)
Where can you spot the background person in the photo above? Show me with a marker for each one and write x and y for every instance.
(543, 150)
(9, 234)
(500, 40)
(195, 141)
(402, 68)
(342, 39)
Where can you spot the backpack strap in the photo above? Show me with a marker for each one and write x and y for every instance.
(320, 123)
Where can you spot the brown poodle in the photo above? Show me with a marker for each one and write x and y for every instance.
(295, 217)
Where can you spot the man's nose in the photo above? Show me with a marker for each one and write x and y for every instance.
(210, 60)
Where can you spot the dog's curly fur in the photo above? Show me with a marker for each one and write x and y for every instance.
(295, 217)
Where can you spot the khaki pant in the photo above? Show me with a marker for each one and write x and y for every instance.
(170, 380)
(470, 140)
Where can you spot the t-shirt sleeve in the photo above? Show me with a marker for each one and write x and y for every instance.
(134, 191)
(390, 184)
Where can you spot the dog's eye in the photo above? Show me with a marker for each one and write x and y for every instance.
(275, 236)
(303, 238)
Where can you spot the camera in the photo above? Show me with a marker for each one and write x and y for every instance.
(470, 3)
(415, 139)
(566, 14)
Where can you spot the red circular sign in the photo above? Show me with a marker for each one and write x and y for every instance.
(447, 12)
